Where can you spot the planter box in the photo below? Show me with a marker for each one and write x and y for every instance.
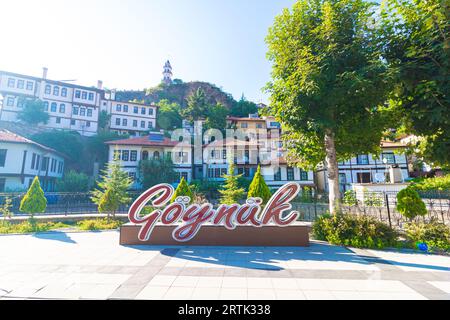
(294, 235)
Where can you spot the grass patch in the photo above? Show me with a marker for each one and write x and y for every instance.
(99, 224)
(29, 226)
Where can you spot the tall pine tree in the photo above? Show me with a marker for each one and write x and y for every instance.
(231, 193)
(113, 188)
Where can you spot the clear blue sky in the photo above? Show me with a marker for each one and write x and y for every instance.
(126, 42)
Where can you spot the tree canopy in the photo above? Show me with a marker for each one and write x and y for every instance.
(33, 112)
(329, 83)
(416, 44)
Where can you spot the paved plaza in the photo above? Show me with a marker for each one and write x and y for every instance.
(92, 265)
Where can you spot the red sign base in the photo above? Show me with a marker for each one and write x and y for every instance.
(293, 235)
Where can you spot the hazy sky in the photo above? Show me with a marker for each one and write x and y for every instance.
(126, 42)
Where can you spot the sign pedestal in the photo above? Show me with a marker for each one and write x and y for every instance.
(293, 235)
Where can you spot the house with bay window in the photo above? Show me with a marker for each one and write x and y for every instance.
(131, 118)
(69, 106)
(22, 159)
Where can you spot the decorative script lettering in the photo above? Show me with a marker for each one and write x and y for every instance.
(190, 218)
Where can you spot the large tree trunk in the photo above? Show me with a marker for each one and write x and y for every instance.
(332, 173)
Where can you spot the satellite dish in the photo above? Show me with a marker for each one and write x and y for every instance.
(380, 177)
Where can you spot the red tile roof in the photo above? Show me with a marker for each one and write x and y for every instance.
(145, 141)
(8, 136)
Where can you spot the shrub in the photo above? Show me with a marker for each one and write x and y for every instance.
(5, 209)
(29, 226)
(34, 201)
(183, 190)
(99, 224)
(435, 234)
(73, 182)
(350, 198)
(432, 184)
(355, 231)
(258, 188)
(409, 204)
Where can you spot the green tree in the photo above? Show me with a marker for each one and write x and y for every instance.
(416, 37)
(231, 193)
(328, 84)
(73, 182)
(103, 120)
(183, 190)
(197, 106)
(216, 117)
(243, 108)
(67, 142)
(34, 200)
(33, 112)
(112, 191)
(5, 209)
(258, 188)
(155, 171)
(410, 204)
(169, 117)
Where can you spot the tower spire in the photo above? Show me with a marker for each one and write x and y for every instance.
(167, 73)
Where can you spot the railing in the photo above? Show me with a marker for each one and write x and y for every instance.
(381, 205)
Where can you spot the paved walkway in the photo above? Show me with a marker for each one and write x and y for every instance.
(93, 266)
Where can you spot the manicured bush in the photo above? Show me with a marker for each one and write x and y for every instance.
(355, 231)
(434, 233)
(73, 182)
(432, 184)
(99, 224)
(258, 188)
(183, 190)
(34, 201)
(409, 204)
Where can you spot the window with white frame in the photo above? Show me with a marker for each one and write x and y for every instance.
(10, 101)
(64, 92)
(30, 85)
(20, 84)
(53, 107)
(56, 91)
(62, 108)
(48, 89)
(11, 82)
(362, 159)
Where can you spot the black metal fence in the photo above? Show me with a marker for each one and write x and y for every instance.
(381, 205)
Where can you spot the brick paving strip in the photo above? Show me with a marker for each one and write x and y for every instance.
(415, 280)
(131, 287)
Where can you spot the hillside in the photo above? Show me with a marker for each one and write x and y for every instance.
(178, 92)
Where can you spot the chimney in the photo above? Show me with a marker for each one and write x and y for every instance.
(100, 84)
(44, 73)
(113, 95)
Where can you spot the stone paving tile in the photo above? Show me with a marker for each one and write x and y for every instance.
(441, 285)
(92, 265)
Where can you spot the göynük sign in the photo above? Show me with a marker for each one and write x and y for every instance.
(237, 224)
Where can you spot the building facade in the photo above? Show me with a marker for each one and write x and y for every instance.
(70, 107)
(21, 160)
(369, 169)
(131, 118)
(154, 146)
